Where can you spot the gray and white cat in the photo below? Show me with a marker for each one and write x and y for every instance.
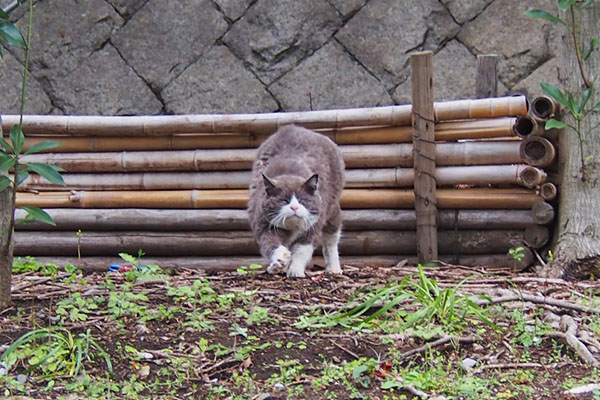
(297, 181)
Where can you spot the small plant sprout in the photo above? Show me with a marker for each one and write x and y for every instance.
(517, 253)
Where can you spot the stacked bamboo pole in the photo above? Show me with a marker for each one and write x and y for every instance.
(176, 186)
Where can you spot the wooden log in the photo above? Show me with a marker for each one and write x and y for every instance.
(543, 212)
(536, 236)
(123, 219)
(423, 115)
(537, 152)
(355, 156)
(6, 245)
(355, 178)
(78, 125)
(241, 243)
(237, 198)
(491, 262)
(486, 80)
(548, 191)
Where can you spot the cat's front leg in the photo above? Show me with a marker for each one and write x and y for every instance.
(280, 259)
(301, 256)
(330, 252)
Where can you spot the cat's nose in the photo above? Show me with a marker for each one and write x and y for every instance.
(294, 208)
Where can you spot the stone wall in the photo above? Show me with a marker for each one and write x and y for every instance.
(125, 57)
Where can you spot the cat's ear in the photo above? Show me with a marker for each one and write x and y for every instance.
(270, 187)
(311, 185)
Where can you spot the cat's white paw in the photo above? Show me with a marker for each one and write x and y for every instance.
(280, 259)
(296, 273)
(334, 269)
(275, 268)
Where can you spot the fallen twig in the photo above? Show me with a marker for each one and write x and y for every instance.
(440, 342)
(537, 300)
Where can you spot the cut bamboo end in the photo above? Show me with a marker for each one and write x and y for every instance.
(526, 126)
(531, 177)
(537, 151)
(543, 212)
(548, 191)
(543, 108)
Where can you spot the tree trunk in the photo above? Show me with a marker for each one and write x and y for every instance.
(5, 248)
(577, 249)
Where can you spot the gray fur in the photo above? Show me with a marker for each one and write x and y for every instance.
(300, 162)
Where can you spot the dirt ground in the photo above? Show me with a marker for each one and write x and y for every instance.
(450, 332)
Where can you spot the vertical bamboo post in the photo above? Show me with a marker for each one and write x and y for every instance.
(423, 121)
(486, 81)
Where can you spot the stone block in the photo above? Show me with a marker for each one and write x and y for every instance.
(66, 32)
(328, 79)
(127, 7)
(520, 41)
(549, 72)
(233, 9)
(465, 10)
(383, 33)
(274, 35)
(164, 37)
(36, 100)
(105, 85)
(348, 7)
(217, 83)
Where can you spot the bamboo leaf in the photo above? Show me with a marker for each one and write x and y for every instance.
(37, 214)
(18, 139)
(587, 3)
(587, 94)
(6, 147)
(42, 146)
(6, 162)
(10, 35)
(593, 45)
(21, 176)
(554, 124)
(564, 4)
(597, 106)
(4, 183)
(46, 171)
(543, 14)
(554, 92)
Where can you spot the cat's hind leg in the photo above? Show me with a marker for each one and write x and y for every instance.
(330, 251)
(301, 256)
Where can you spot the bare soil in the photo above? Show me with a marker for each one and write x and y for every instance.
(255, 339)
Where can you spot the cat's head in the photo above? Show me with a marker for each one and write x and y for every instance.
(292, 202)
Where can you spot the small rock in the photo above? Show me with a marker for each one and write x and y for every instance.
(22, 378)
(145, 356)
(2, 371)
(468, 363)
(279, 386)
